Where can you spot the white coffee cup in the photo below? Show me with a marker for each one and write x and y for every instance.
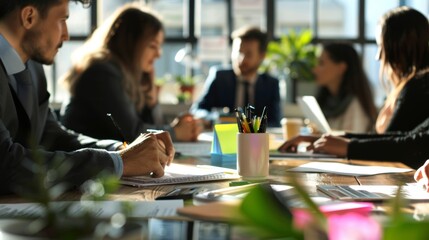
(291, 127)
(253, 155)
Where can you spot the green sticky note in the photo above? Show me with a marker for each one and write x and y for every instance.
(225, 138)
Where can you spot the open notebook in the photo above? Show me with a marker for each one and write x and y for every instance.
(372, 192)
(183, 173)
(311, 109)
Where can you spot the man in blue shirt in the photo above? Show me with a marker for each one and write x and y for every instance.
(31, 32)
(242, 84)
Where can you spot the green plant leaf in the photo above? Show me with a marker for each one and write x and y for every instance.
(266, 213)
(410, 229)
(304, 39)
(293, 55)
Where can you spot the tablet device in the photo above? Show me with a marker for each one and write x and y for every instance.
(311, 110)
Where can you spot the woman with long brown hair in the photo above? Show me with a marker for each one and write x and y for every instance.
(403, 52)
(344, 94)
(113, 73)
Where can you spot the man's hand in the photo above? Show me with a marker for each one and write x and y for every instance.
(421, 176)
(164, 139)
(148, 154)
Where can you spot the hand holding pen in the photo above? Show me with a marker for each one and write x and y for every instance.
(148, 154)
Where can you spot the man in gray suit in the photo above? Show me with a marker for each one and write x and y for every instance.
(31, 32)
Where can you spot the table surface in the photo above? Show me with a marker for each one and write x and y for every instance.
(278, 174)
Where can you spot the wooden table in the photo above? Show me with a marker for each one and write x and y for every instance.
(278, 174)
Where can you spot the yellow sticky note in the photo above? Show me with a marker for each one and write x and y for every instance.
(225, 138)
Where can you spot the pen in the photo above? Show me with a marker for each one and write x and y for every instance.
(263, 125)
(246, 125)
(237, 116)
(124, 142)
(264, 112)
(256, 123)
(231, 190)
(250, 110)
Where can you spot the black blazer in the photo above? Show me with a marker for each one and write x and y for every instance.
(99, 91)
(412, 106)
(19, 135)
(220, 90)
(410, 148)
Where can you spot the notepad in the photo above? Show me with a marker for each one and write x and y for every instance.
(372, 192)
(183, 173)
(225, 139)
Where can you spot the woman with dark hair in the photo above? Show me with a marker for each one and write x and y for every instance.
(404, 54)
(113, 73)
(344, 93)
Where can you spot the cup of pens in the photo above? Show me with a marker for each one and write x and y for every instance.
(252, 145)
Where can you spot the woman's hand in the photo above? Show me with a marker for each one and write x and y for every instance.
(292, 145)
(187, 128)
(421, 176)
(330, 144)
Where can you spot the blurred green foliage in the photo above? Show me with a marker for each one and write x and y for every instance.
(294, 55)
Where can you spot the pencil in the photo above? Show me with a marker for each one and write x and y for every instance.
(237, 116)
(118, 129)
(232, 190)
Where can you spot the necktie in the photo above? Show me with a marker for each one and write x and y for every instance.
(246, 99)
(25, 90)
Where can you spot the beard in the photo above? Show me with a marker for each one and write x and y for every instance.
(36, 48)
(248, 70)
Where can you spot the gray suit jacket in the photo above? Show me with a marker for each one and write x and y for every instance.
(42, 138)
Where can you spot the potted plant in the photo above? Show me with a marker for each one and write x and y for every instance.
(184, 97)
(292, 59)
(186, 83)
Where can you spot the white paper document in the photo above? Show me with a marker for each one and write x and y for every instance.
(347, 169)
(183, 173)
(99, 209)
